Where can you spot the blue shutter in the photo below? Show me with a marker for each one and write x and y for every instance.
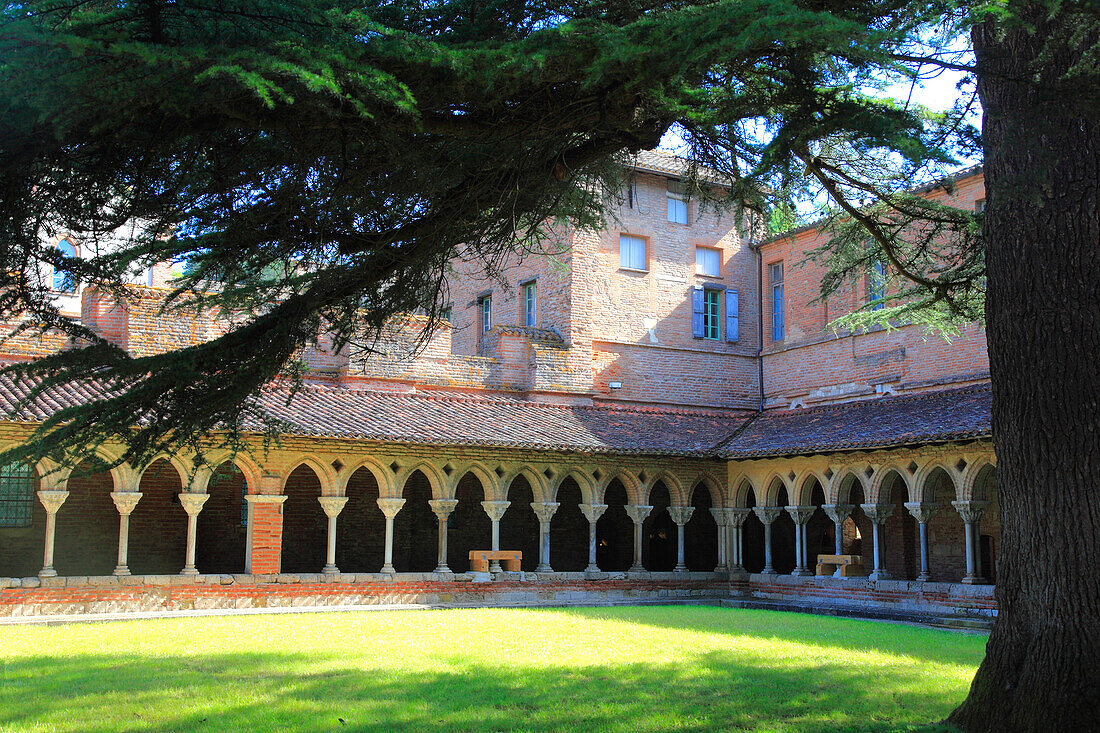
(697, 307)
(731, 315)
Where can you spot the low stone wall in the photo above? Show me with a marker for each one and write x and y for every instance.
(929, 599)
(109, 594)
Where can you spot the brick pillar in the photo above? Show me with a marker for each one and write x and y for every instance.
(265, 534)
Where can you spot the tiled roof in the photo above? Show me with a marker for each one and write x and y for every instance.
(495, 422)
(925, 417)
(339, 412)
(658, 161)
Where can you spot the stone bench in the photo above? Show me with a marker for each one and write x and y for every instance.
(509, 559)
(850, 566)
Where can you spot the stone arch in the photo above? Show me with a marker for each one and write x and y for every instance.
(519, 527)
(324, 472)
(920, 481)
(659, 531)
(744, 492)
(883, 476)
(158, 524)
(803, 486)
(946, 541)
(615, 529)
(899, 533)
(383, 475)
(469, 527)
(849, 487)
(305, 524)
(489, 480)
(435, 477)
(701, 531)
(630, 484)
(569, 527)
(185, 474)
(772, 486)
(677, 494)
(584, 483)
(222, 525)
(713, 487)
(983, 487)
(243, 462)
(978, 469)
(361, 525)
(415, 532)
(535, 479)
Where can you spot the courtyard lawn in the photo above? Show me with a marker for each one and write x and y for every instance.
(613, 669)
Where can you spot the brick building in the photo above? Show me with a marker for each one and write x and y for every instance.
(658, 409)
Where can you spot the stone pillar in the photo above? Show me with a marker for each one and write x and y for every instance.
(495, 510)
(192, 504)
(723, 537)
(51, 502)
(592, 513)
(838, 513)
(332, 505)
(878, 514)
(442, 509)
(971, 513)
(125, 502)
(923, 512)
(544, 510)
(767, 515)
(680, 515)
(390, 508)
(801, 516)
(736, 518)
(638, 513)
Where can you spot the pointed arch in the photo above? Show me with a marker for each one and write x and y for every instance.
(185, 475)
(717, 498)
(490, 481)
(972, 474)
(383, 475)
(920, 481)
(771, 486)
(323, 470)
(743, 489)
(535, 479)
(433, 473)
(584, 481)
(629, 481)
(244, 463)
(881, 480)
(676, 489)
(841, 490)
(802, 489)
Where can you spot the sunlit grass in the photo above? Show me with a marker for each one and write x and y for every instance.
(618, 669)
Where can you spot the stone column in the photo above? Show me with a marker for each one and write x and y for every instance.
(125, 502)
(723, 537)
(767, 515)
(971, 513)
(544, 510)
(736, 518)
(680, 515)
(51, 502)
(442, 509)
(878, 514)
(332, 505)
(592, 513)
(390, 508)
(801, 516)
(838, 513)
(638, 513)
(495, 510)
(192, 504)
(923, 512)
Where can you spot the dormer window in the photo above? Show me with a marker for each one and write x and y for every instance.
(64, 282)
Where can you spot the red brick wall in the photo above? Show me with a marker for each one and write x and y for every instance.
(158, 524)
(267, 536)
(87, 525)
(519, 527)
(305, 524)
(361, 527)
(569, 530)
(220, 532)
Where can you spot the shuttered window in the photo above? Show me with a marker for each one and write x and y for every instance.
(705, 313)
(732, 304)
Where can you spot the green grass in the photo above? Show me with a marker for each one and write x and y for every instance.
(612, 669)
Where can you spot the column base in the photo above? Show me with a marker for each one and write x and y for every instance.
(494, 567)
(592, 568)
(47, 573)
(121, 570)
(441, 569)
(680, 569)
(544, 567)
(388, 569)
(882, 575)
(721, 569)
(924, 578)
(187, 571)
(637, 569)
(801, 572)
(768, 571)
(974, 580)
(330, 570)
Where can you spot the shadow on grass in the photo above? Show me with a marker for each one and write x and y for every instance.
(251, 691)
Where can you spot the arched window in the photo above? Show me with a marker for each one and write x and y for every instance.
(64, 281)
(16, 495)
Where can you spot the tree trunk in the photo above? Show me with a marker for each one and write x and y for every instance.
(1042, 235)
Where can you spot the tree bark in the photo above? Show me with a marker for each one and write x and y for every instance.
(1042, 237)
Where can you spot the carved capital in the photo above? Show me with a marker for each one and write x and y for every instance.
(125, 501)
(390, 507)
(736, 516)
(681, 514)
(720, 516)
(801, 514)
(545, 510)
(52, 499)
(970, 511)
(593, 511)
(495, 509)
(922, 511)
(332, 505)
(877, 513)
(442, 508)
(192, 502)
(767, 514)
(838, 512)
(638, 512)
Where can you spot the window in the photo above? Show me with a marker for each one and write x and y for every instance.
(704, 313)
(876, 285)
(776, 274)
(632, 192)
(529, 304)
(979, 206)
(64, 281)
(632, 254)
(677, 203)
(447, 314)
(485, 308)
(16, 495)
(707, 261)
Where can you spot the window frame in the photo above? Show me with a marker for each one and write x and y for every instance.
(681, 200)
(68, 278)
(717, 260)
(876, 285)
(645, 252)
(16, 507)
(779, 298)
(712, 309)
(485, 313)
(530, 303)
